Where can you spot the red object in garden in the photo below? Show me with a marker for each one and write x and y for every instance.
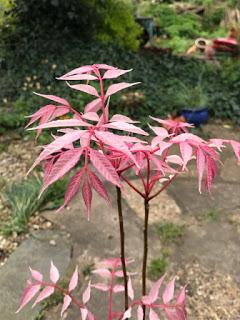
(226, 45)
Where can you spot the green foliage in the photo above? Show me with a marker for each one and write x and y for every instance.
(169, 232)
(157, 267)
(22, 198)
(192, 98)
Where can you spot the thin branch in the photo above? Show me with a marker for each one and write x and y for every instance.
(132, 186)
(122, 245)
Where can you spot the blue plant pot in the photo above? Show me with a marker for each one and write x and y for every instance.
(197, 117)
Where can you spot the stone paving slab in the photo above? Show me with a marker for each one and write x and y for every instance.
(36, 252)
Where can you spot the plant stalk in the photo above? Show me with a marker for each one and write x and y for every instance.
(122, 245)
(145, 250)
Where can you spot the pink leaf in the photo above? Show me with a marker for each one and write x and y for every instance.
(87, 196)
(73, 187)
(169, 291)
(139, 313)
(186, 152)
(57, 145)
(127, 314)
(74, 280)
(171, 314)
(87, 293)
(117, 87)
(161, 132)
(92, 116)
(54, 98)
(200, 167)
(84, 313)
(153, 294)
(105, 273)
(236, 148)
(54, 273)
(44, 294)
(65, 162)
(93, 106)
(101, 286)
(122, 118)
(85, 88)
(59, 112)
(118, 288)
(36, 275)
(116, 142)
(114, 73)
(80, 76)
(120, 125)
(28, 294)
(48, 109)
(99, 187)
(62, 123)
(66, 303)
(130, 289)
(104, 166)
(153, 315)
(181, 296)
(76, 71)
(104, 66)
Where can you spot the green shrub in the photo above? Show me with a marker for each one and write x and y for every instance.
(169, 232)
(157, 267)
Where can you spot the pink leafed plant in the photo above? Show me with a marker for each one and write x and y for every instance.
(95, 146)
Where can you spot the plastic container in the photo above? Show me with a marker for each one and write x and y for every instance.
(197, 117)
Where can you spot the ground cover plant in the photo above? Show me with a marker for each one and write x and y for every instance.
(92, 146)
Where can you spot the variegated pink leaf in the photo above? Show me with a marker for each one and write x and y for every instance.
(48, 109)
(130, 289)
(105, 273)
(127, 313)
(72, 188)
(122, 118)
(59, 112)
(140, 313)
(66, 303)
(36, 275)
(54, 273)
(99, 187)
(114, 73)
(74, 281)
(104, 66)
(161, 132)
(93, 106)
(168, 292)
(87, 293)
(118, 87)
(80, 76)
(28, 294)
(44, 294)
(236, 148)
(54, 98)
(56, 145)
(85, 88)
(118, 288)
(123, 126)
(65, 162)
(153, 315)
(101, 286)
(200, 167)
(172, 314)
(186, 152)
(104, 167)
(181, 298)
(115, 142)
(154, 292)
(87, 196)
(84, 313)
(62, 123)
(92, 116)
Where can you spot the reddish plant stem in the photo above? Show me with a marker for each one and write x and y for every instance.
(145, 251)
(122, 245)
(132, 186)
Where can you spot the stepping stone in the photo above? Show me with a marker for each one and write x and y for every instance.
(37, 251)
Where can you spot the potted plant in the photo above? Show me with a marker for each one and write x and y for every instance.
(192, 103)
